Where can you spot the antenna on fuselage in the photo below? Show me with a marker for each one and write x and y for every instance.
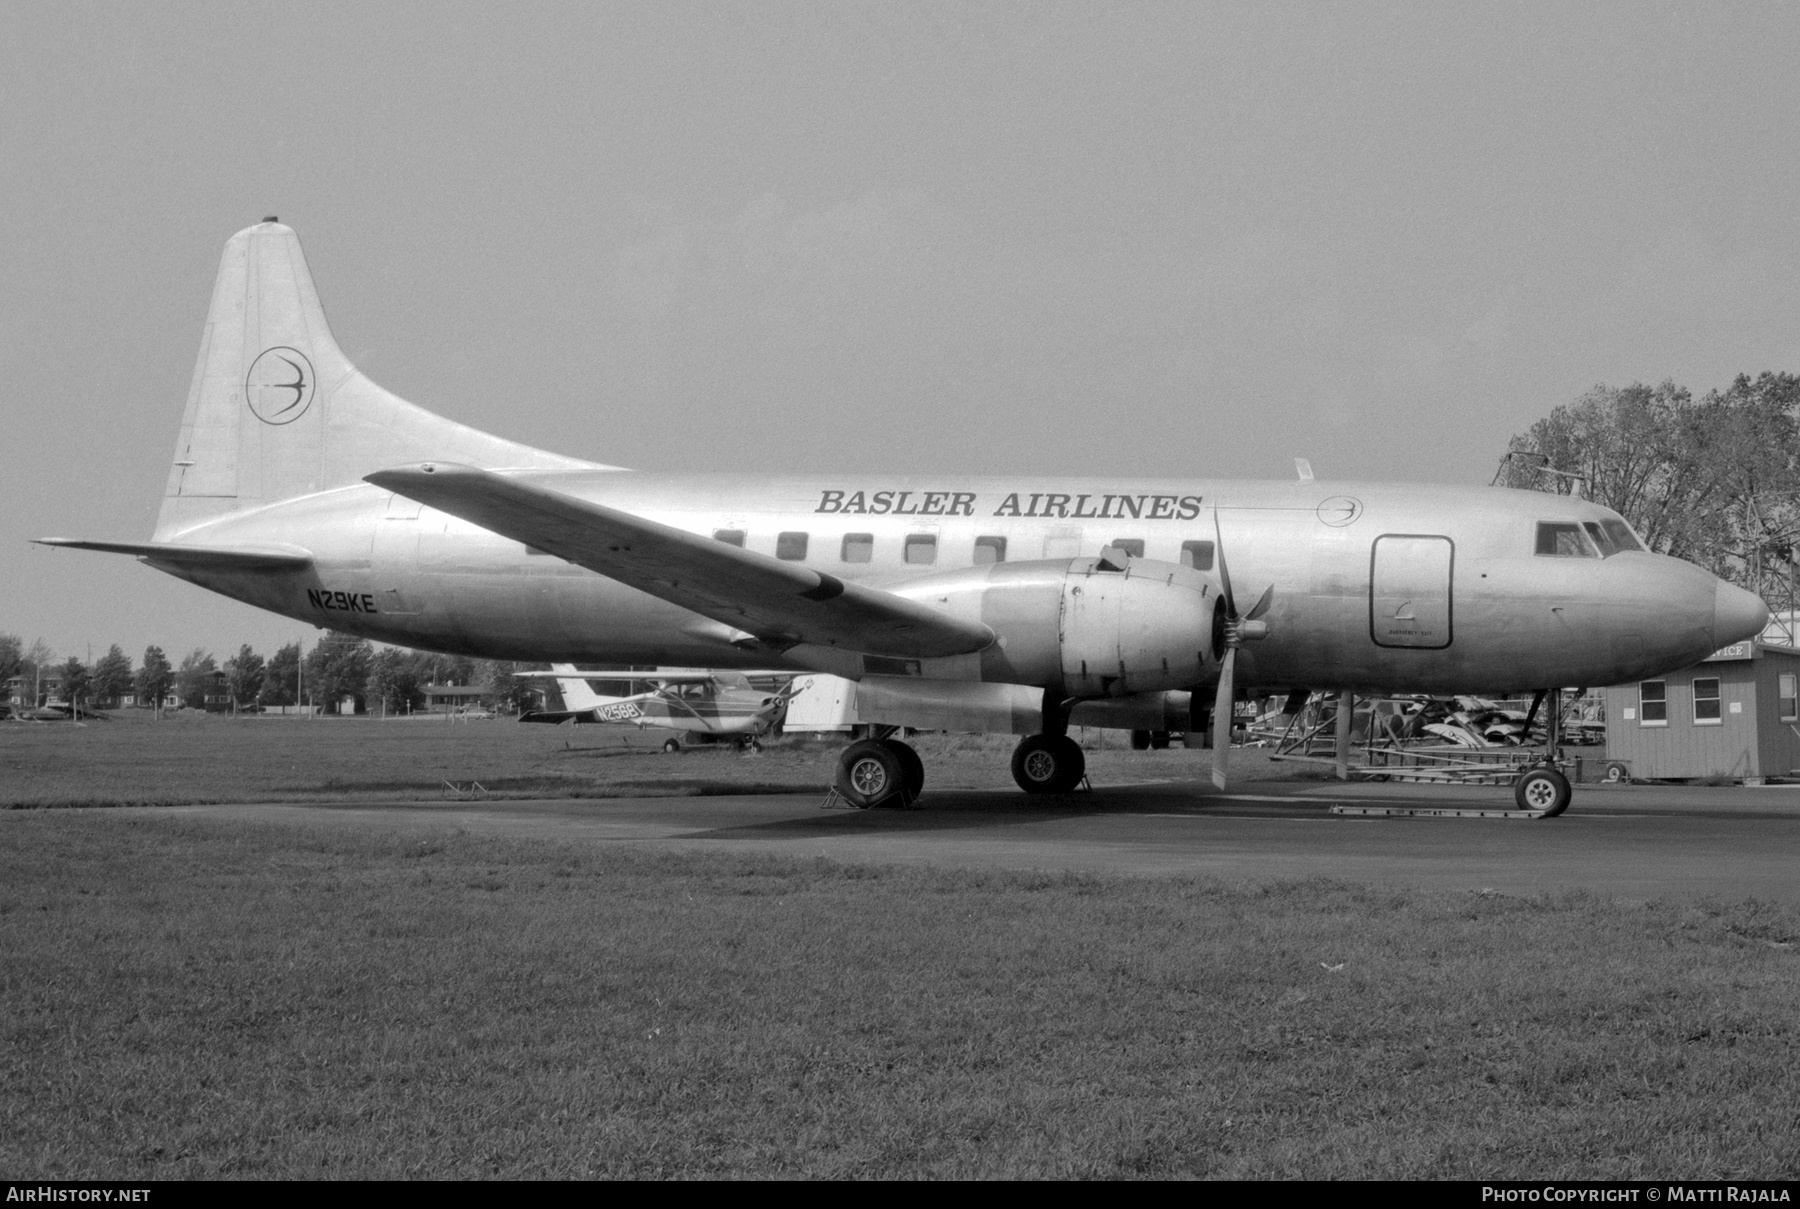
(1540, 462)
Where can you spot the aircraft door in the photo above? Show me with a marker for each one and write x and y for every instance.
(1410, 590)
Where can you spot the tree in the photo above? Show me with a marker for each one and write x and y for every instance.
(394, 680)
(12, 654)
(75, 680)
(154, 678)
(281, 678)
(338, 667)
(112, 677)
(194, 678)
(244, 676)
(32, 665)
(505, 691)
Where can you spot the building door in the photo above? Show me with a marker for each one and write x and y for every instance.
(1409, 591)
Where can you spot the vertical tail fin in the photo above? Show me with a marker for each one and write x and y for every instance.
(276, 410)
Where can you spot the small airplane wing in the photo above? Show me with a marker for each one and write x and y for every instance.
(267, 556)
(779, 603)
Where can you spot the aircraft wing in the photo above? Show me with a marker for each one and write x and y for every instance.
(780, 603)
(268, 556)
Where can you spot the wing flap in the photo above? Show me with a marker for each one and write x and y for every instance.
(779, 603)
(269, 556)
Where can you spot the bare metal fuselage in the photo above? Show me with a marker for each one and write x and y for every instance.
(1347, 561)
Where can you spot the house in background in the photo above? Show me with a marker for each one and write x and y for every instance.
(1735, 714)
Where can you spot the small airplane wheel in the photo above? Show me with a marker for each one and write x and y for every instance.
(1042, 764)
(912, 769)
(753, 745)
(671, 745)
(1159, 740)
(1140, 740)
(868, 773)
(1542, 790)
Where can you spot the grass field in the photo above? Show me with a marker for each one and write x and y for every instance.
(189, 757)
(189, 999)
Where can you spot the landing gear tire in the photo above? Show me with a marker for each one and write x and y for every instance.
(912, 769)
(1047, 764)
(1618, 773)
(869, 773)
(1140, 740)
(671, 745)
(1543, 791)
(1159, 740)
(748, 745)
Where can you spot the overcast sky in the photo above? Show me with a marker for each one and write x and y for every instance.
(1182, 239)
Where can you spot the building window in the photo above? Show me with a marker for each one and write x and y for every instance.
(1133, 546)
(1198, 555)
(921, 548)
(1790, 697)
(1706, 701)
(790, 546)
(731, 537)
(1653, 703)
(990, 550)
(859, 547)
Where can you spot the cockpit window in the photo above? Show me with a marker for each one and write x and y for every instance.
(1622, 536)
(1564, 539)
(1607, 549)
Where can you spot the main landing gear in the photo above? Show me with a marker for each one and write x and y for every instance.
(872, 772)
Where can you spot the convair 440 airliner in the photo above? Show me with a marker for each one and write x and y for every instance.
(992, 603)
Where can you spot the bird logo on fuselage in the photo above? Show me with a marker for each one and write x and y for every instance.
(279, 386)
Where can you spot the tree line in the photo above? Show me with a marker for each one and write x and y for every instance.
(339, 667)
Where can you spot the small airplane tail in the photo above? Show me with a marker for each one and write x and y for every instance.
(276, 410)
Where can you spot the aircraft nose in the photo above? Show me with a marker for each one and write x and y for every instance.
(1737, 615)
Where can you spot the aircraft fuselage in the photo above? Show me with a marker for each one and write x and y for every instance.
(1399, 587)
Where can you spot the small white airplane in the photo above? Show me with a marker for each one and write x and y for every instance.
(997, 603)
(702, 703)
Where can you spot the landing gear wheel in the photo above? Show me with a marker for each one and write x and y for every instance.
(1618, 773)
(1542, 790)
(1043, 764)
(671, 745)
(1140, 740)
(912, 769)
(1159, 740)
(868, 773)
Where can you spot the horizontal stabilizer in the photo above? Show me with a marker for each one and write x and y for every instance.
(780, 603)
(267, 556)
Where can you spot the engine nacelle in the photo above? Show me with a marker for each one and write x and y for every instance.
(1090, 627)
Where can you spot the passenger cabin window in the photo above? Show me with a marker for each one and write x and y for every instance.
(731, 537)
(1653, 703)
(921, 548)
(1706, 701)
(1790, 697)
(858, 547)
(990, 550)
(613, 688)
(1198, 555)
(790, 546)
(1133, 546)
(1564, 539)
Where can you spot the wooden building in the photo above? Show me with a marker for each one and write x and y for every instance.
(1735, 714)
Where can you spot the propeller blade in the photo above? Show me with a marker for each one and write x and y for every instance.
(1221, 719)
(1262, 604)
(1224, 574)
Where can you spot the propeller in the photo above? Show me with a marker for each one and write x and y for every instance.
(1238, 629)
